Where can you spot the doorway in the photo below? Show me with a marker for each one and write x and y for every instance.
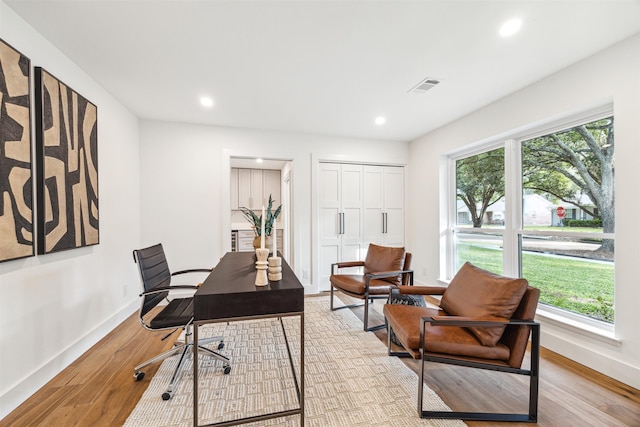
(252, 180)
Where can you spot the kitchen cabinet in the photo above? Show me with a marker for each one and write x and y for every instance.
(234, 189)
(244, 240)
(251, 188)
(271, 186)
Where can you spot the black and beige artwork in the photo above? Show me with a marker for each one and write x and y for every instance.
(16, 187)
(67, 166)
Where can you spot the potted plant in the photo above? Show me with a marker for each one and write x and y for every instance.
(256, 221)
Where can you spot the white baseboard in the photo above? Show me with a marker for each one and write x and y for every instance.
(32, 382)
(579, 350)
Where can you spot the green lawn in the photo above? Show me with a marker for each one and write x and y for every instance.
(580, 286)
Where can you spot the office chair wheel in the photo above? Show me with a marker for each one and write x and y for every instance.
(220, 346)
(138, 375)
(167, 395)
(227, 369)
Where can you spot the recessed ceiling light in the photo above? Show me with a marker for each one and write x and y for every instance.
(259, 160)
(510, 27)
(380, 120)
(205, 101)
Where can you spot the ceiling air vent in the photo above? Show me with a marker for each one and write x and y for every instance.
(424, 85)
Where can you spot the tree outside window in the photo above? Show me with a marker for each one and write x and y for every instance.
(570, 259)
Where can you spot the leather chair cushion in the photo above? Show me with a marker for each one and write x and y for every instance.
(384, 258)
(355, 284)
(405, 322)
(475, 292)
(177, 313)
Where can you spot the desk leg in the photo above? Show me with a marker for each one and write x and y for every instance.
(195, 375)
(302, 370)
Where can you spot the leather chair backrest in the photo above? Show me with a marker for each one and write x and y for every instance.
(385, 258)
(475, 292)
(154, 272)
(517, 337)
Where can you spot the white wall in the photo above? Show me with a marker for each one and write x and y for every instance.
(612, 75)
(54, 307)
(168, 182)
(185, 185)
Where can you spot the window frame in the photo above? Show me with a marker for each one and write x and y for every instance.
(513, 230)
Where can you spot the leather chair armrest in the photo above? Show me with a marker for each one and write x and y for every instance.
(385, 274)
(349, 264)
(474, 321)
(345, 264)
(421, 290)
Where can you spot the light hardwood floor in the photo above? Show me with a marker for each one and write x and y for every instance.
(98, 389)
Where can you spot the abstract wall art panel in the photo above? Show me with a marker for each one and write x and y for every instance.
(67, 166)
(16, 186)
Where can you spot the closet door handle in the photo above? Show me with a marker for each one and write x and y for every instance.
(383, 224)
(342, 223)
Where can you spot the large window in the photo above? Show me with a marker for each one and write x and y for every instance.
(551, 221)
(480, 195)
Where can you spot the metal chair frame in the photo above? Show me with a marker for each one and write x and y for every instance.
(367, 297)
(184, 348)
(533, 372)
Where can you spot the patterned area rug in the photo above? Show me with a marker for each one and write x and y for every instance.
(349, 378)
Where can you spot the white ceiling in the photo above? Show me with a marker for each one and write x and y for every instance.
(322, 67)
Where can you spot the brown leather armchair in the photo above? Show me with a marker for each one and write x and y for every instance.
(383, 268)
(484, 321)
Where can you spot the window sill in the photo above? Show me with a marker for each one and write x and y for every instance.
(574, 324)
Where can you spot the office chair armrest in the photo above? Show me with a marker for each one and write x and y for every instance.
(167, 288)
(193, 270)
(421, 290)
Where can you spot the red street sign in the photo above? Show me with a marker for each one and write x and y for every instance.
(561, 212)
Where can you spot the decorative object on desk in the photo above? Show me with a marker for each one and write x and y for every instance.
(16, 202)
(267, 242)
(275, 262)
(262, 229)
(256, 221)
(274, 242)
(261, 266)
(67, 165)
(275, 268)
(261, 254)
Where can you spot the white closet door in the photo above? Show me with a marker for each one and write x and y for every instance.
(340, 217)
(373, 205)
(352, 202)
(394, 206)
(358, 205)
(329, 220)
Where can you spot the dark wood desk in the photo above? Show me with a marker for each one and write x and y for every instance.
(229, 294)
